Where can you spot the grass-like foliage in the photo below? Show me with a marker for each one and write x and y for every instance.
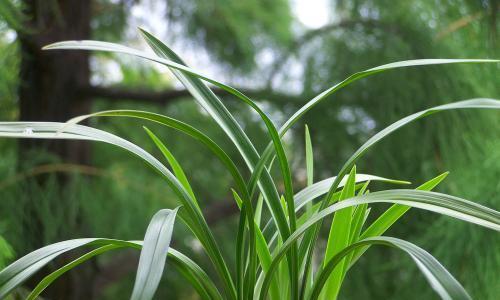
(273, 257)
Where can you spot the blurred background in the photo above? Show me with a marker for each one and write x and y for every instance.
(281, 53)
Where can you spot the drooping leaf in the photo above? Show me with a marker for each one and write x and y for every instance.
(445, 285)
(268, 152)
(391, 215)
(436, 202)
(221, 115)
(191, 215)
(164, 51)
(473, 103)
(22, 269)
(308, 194)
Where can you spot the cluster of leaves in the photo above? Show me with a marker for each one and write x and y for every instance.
(273, 260)
(413, 29)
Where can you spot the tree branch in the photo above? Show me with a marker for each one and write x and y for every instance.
(172, 95)
(311, 34)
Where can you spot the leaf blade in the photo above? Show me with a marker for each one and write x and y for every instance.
(176, 167)
(192, 217)
(153, 254)
(436, 202)
(445, 285)
(339, 237)
(392, 215)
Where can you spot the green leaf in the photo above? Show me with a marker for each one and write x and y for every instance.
(339, 238)
(222, 116)
(176, 167)
(22, 269)
(445, 285)
(308, 194)
(466, 104)
(153, 254)
(207, 99)
(431, 184)
(256, 165)
(358, 220)
(163, 51)
(436, 202)
(190, 214)
(356, 76)
(240, 250)
(211, 145)
(320, 188)
(182, 127)
(391, 215)
(261, 248)
(195, 275)
(473, 103)
(256, 174)
(306, 271)
(309, 158)
(268, 152)
(49, 279)
(258, 210)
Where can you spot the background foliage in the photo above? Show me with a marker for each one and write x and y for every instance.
(264, 47)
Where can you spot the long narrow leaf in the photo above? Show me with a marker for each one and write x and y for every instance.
(153, 254)
(206, 98)
(445, 285)
(176, 167)
(22, 269)
(473, 103)
(164, 51)
(391, 215)
(189, 269)
(309, 158)
(339, 237)
(221, 115)
(193, 218)
(308, 194)
(49, 279)
(268, 153)
(439, 203)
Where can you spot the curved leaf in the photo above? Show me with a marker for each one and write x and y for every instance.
(176, 167)
(472, 103)
(308, 194)
(436, 202)
(221, 115)
(192, 216)
(13, 278)
(391, 215)
(47, 280)
(447, 287)
(356, 76)
(206, 98)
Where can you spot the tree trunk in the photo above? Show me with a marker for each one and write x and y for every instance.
(49, 81)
